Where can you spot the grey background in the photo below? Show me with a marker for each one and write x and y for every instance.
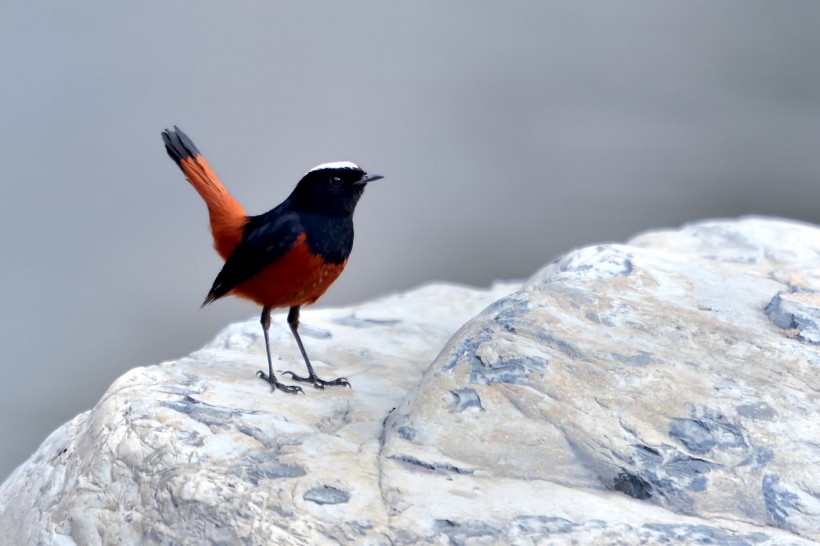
(509, 133)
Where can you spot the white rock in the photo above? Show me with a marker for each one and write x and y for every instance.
(199, 451)
(650, 369)
(662, 391)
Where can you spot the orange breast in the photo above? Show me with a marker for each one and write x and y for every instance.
(297, 278)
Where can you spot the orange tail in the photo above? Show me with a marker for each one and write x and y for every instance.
(228, 218)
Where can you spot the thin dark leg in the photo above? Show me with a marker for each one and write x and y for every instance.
(293, 322)
(269, 377)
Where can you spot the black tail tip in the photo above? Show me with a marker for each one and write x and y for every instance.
(178, 145)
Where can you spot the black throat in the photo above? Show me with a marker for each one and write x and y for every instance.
(330, 237)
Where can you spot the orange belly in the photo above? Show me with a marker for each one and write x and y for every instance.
(297, 278)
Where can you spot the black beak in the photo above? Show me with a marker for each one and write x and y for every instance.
(367, 178)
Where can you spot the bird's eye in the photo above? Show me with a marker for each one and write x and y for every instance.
(336, 181)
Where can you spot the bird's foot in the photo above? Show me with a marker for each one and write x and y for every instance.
(274, 384)
(319, 383)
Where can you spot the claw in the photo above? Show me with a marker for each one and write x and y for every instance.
(274, 384)
(319, 383)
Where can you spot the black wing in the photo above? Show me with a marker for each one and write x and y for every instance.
(266, 238)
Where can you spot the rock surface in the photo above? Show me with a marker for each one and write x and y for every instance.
(661, 391)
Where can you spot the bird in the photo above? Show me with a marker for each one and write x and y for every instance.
(285, 258)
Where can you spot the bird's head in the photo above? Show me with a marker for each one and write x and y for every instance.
(332, 189)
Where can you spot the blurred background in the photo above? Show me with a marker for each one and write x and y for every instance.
(509, 133)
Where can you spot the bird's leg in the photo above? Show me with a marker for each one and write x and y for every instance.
(293, 322)
(269, 377)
